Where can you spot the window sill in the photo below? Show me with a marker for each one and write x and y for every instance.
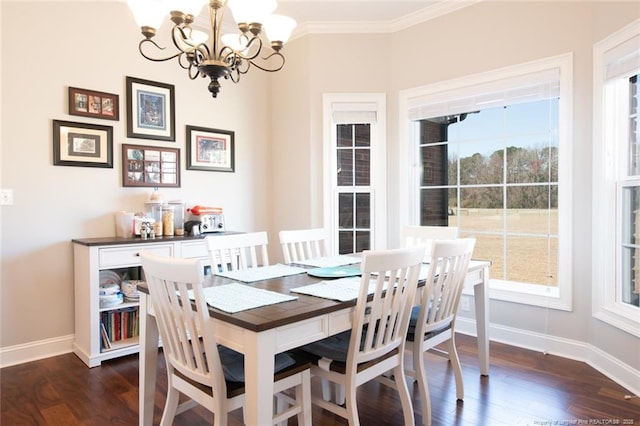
(621, 316)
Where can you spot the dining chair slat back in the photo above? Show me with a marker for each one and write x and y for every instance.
(303, 244)
(375, 344)
(237, 251)
(209, 374)
(433, 321)
(187, 337)
(413, 235)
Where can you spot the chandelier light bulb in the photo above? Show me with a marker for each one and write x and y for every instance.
(234, 41)
(148, 13)
(198, 36)
(189, 7)
(251, 11)
(279, 28)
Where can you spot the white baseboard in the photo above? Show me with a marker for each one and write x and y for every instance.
(19, 354)
(619, 372)
(623, 374)
(613, 368)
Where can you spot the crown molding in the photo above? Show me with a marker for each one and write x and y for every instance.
(382, 27)
(346, 27)
(429, 13)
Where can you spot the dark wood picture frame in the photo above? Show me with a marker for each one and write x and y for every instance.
(150, 166)
(151, 110)
(210, 149)
(82, 144)
(91, 103)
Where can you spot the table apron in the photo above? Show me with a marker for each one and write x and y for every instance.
(289, 336)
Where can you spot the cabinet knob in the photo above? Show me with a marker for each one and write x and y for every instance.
(137, 254)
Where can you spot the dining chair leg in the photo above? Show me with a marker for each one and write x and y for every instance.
(339, 393)
(170, 406)
(352, 406)
(326, 389)
(278, 406)
(405, 397)
(423, 386)
(333, 392)
(457, 369)
(303, 396)
(221, 418)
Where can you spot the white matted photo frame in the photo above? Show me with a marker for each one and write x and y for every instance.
(150, 110)
(82, 144)
(153, 166)
(210, 149)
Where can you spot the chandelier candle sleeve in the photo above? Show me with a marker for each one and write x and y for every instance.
(216, 56)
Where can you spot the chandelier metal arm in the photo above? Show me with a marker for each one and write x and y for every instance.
(214, 58)
(151, 58)
(250, 43)
(266, 58)
(234, 75)
(193, 71)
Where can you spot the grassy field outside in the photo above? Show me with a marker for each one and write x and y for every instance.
(521, 244)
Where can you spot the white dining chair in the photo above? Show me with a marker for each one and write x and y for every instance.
(303, 244)
(414, 235)
(375, 344)
(432, 322)
(237, 251)
(210, 374)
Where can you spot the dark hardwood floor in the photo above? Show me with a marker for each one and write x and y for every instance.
(524, 388)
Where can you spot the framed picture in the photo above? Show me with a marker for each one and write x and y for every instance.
(150, 166)
(210, 149)
(81, 144)
(150, 110)
(90, 103)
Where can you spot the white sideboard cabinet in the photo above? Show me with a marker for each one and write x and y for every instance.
(121, 255)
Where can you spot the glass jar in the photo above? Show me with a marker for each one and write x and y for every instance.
(167, 220)
(154, 211)
(178, 216)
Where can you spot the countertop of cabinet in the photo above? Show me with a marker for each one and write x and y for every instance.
(106, 241)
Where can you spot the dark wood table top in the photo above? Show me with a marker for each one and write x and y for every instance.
(279, 314)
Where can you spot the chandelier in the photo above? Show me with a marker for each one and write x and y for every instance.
(215, 55)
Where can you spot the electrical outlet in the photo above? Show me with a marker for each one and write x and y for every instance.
(6, 197)
(464, 304)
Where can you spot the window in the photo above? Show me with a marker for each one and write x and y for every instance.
(356, 177)
(494, 174)
(485, 155)
(616, 163)
(353, 174)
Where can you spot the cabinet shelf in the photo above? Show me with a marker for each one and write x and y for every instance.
(120, 306)
(93, 255)
(121, 344)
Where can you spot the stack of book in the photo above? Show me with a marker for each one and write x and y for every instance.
(119, 324)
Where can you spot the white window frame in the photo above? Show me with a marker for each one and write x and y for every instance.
(610, 125)
(359, 106)
(555, 297)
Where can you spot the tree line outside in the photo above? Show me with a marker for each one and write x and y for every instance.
(531, 178)
(528, 252)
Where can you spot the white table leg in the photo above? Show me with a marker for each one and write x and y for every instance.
(148, 362)
(259, 353)
(481, 296)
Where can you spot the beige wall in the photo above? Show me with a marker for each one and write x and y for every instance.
(485, 36)
(278, 124)
(94, 46)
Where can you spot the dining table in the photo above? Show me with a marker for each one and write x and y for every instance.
(261, 332)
